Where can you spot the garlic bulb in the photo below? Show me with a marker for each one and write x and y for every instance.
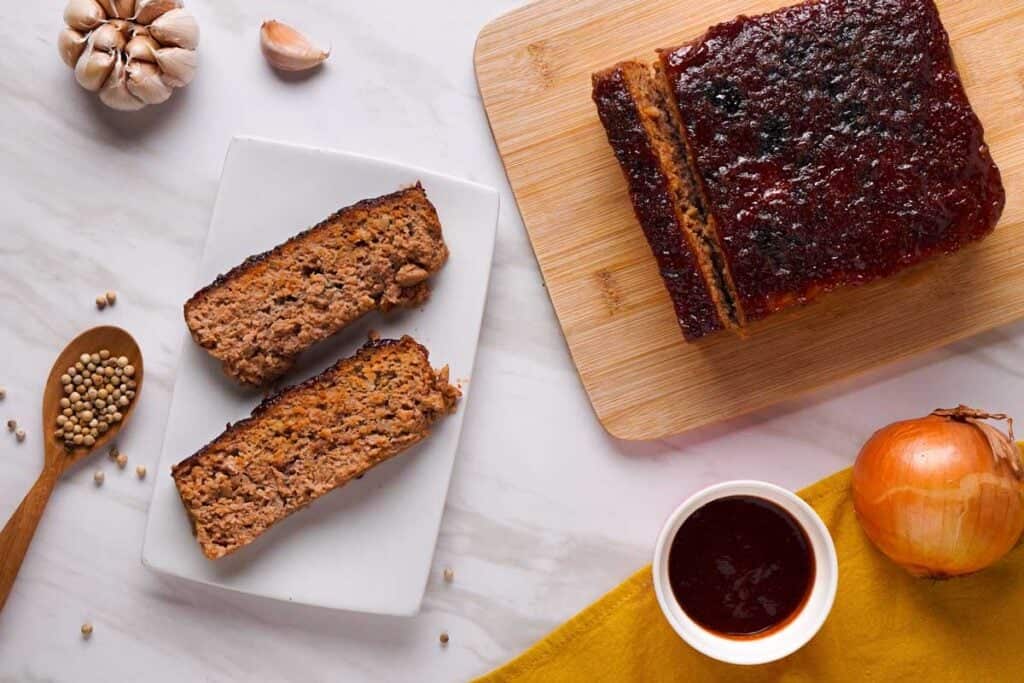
(287, 49)
(132, 52)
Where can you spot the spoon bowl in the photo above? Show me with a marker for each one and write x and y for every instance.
(119, 343)
(21, 527)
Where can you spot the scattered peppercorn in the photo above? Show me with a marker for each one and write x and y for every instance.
(101, 302)
(140, 471)
(98, 477)
(3, 393)
(449, 574)
(86, 629)
(111, 297)
(11, 425)
(122, 460)
(444, 638)
(19, 435)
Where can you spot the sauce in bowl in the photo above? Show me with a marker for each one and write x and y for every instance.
(741, 567)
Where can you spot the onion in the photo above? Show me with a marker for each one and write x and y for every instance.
(942, 495)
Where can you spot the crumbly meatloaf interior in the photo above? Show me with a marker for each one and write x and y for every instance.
(661, 121)
(375, 255)
(310, 439)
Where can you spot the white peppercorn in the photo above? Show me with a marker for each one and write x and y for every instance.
(11, 425)
(111, 297)
(19, 434)
(98, 477)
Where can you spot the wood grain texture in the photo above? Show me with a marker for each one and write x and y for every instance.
(17, 534)
(533, 68)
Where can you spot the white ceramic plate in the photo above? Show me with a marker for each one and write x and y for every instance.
(368, 546)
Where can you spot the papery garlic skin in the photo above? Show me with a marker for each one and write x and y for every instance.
(142, 48)
(84, 15)
(133, 52)
(178, 65)
(287, 49)
(145, 82)
(108, 38)
(70, 45)
(120, 9)
(177, 28)
(93, 68)
(115, 94)
(146, 11)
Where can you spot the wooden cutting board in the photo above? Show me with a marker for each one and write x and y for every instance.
(533, 67)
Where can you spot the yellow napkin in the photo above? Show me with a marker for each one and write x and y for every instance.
(885, 626)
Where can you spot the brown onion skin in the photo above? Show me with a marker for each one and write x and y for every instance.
(915, 483)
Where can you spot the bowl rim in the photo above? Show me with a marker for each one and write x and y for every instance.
(790, 637)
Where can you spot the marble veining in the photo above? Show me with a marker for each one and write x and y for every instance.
(546, 512)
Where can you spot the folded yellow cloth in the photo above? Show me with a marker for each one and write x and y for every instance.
(885, 626)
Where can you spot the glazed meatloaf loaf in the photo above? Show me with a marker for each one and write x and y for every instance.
(375, 255)
(311, 439)
(832, 144)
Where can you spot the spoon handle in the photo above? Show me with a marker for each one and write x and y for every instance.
(21, 527)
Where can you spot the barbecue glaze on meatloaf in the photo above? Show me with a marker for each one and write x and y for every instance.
(832, 143)
(310, 439)
(643, 130)
(375, 255)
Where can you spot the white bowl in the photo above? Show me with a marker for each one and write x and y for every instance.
(790, 637)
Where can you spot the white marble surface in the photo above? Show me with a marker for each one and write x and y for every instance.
(546, 512)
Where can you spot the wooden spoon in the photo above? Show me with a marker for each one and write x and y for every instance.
(17, 534)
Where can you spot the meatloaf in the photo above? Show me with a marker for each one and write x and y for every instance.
(644, 132)
(832, 144)
(374, 255)
(310, 439)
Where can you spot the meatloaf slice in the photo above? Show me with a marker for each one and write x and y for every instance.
(642, 127)
(374, 255)
(310, 439)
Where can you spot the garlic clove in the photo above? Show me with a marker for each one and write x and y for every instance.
(287, 49)
(108, 38)
(114, 92)
(144, 82)
(176, 28)
(70, 45)
(84, 15)
(121, 9)
(93, 68)
(142, 48)
(146, 11)
(178, 65)
(125, 9)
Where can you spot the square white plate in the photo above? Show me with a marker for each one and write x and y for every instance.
(369, 545)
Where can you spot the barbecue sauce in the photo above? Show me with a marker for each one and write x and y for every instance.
(741, 567)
